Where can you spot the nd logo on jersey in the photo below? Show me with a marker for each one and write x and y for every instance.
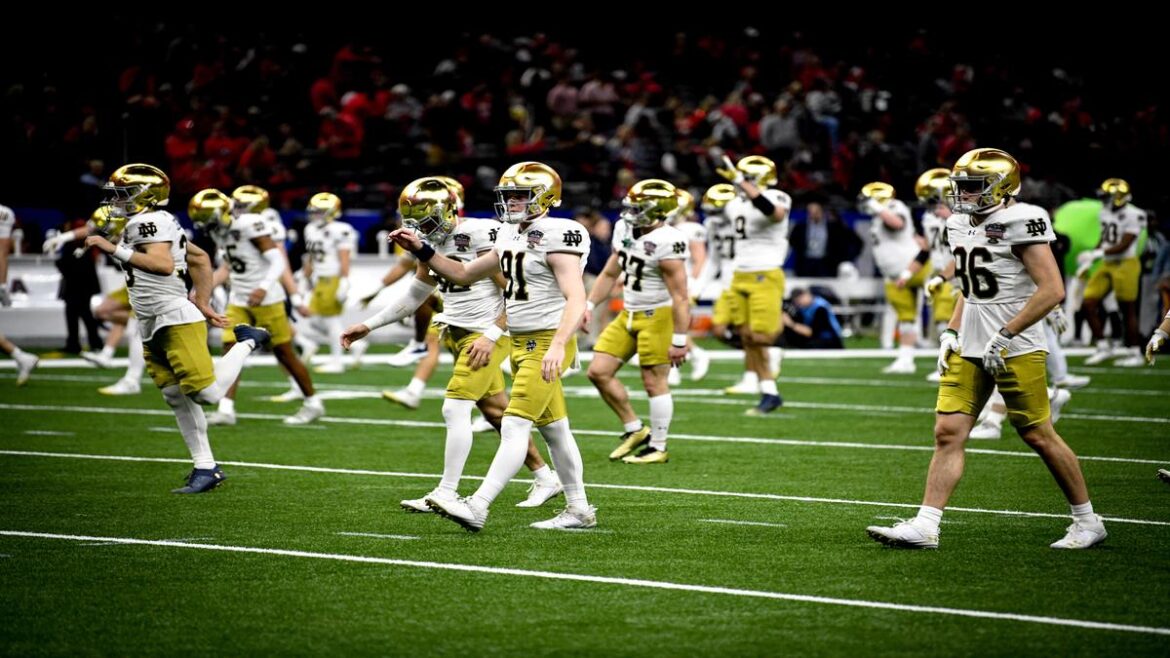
(147, 230)
(573, 238)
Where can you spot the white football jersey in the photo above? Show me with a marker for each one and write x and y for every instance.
(533, 299)
(159, 300)
(1116, 224)
(639, 257)
(721, 243)
(246, 263)
(477, 306)
(7, 222)
(279, 232)
(894, 250)
(935, 228)
(324, 243)
(761, 242)
(994, 282)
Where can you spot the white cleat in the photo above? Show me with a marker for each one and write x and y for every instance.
(464, 511)
(123, 386)
(900, 367)
(674, 378)
(1060, 397)
(987, 430)
(1103, 353)
(539, 494)
(1164, 475)
(1131, 361)
(904, 534)
(1080, 536)
(221, 418)
(743, 387)
(700, 363)
(291, 395)
(98, 359)
(934, 377)
(357, 351)
(570, 519)
(330, 369)
(1072, 382)
(411, 354)
(25, 364)
(419, 505)
(307, 414)
(402, 397)
(480, 424)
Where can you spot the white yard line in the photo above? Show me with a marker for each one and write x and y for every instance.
(390, 422)
(607, 580)
(591, 485)
(752, 523)
(376, 535)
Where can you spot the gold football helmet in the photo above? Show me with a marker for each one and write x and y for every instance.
(210, 208)
(648, 202)
(106, 223)
(759, 170)
(535, 185)
(1115, 192)
(716, 197)
(983, 179)
(457, 188)
(136, 188)
(323, 208)
(251, 198)
(933, 185)
(429, 206)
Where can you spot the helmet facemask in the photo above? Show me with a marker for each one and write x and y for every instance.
(516, 204)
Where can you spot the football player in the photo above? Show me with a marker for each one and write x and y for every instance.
(542, 259)
(1122, 224)
(1010, 281)
(158, 263)
(650, 256)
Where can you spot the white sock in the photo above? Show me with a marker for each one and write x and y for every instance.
(750, 378)
(544, 475)
(1057, 364)
(17, 352)
(416, 386)
(514, 433)
(107, 351)
(769, 387)
(334, 326)
(192, 425)
(906, 353)
(136, 363)
(661, 411)
(227, 405)
(457, 415)
(226, 372)
(633, 425)
(1083, 514)
(567, 458)
(313, 401)
(928, 518)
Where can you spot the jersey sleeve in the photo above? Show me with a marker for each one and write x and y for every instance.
(567, 237)
(483, 238)
(779, 199)
(150, 228)
(677, 248)
(346, 238)
(1134, 222)
(1030, 228)
(7, 222)
(253, 227)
